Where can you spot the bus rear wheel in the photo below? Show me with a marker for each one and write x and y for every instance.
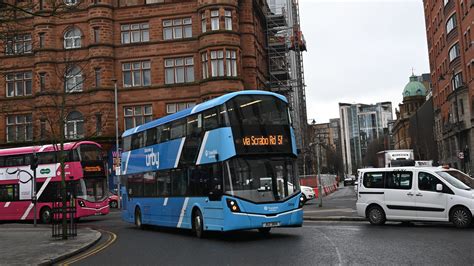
(46, 215)
(138, 218)
(198, 224)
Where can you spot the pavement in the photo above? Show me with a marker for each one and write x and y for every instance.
(23, 244)
(337, 206)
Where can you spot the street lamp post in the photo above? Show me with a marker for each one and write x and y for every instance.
(318, 158)
(117, 168)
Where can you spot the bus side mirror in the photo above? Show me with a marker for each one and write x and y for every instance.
(439, 187)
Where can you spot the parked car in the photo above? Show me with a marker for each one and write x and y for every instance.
(308, 193)
(414, 194)
(349, 180)
(113, 200)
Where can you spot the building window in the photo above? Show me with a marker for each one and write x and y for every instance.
(97, 77)
(205, 66)
(74, 79)
(74, 128)
(461, 105)
(18, 44)
(177, 28)
(134, 33)
(98, 124)
(457, 81)
(96, 35)
(217, 63)
(19, 84)
(136, 74)
(71, 2)
(72, 38)
(41, 39)
(454, 52)
(214, 19)
(203, 22)
(179, 70)
(42, 81)
(228, 19)
(42, 128)
(137, 115)
(231, 63)
(451, 24)
(19, 128)
(172, 108)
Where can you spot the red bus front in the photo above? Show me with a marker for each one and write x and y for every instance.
(84, 175)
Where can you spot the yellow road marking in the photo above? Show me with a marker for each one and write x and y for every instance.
(110, 240)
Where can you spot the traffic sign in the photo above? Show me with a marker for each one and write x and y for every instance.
(461, 155)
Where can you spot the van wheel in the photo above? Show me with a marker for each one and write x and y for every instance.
(461, 217)
(138, 218)
(46, 215)
(198, 224)
(376, 215)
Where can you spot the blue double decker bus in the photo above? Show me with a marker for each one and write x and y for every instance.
(225, 164)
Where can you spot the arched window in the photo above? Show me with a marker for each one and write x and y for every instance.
(74, 79)
(74, 128)
(72, 38)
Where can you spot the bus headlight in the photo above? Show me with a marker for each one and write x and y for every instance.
(232, 204)
(81, 203)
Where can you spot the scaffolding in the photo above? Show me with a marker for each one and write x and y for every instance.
(285, 44)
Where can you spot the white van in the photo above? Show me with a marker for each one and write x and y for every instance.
(414, 194)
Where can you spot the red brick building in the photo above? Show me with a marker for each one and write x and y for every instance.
(449, 27)
(166, 55)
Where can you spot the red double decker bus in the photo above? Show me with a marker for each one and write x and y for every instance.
(85, 177)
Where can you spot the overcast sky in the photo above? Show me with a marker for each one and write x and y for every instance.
(360, 51)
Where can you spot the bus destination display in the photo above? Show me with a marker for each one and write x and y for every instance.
(270, 140)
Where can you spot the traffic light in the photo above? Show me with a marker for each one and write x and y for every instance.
(34, 162)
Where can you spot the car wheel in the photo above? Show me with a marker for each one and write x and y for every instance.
(198, 224)
(138, 218)
(46, 215)
(113, 204)
(376, 215)
(461, 217)
(264, 231)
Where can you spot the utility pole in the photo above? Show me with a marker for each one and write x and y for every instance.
(34, 166)
(117, 155)
(318, 159)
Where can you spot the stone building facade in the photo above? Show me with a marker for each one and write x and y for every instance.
(451, 53)
(164, 55)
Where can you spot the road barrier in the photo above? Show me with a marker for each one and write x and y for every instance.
(328, 183)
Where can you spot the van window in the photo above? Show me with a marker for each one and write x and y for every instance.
(427, 182)
(374, 180)
(398, 180)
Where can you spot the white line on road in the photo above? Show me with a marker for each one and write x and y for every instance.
(330, 210)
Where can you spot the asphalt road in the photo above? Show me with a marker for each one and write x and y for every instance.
(315, 243)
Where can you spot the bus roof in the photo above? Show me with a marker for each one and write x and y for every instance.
(198, 108)
(42, 148)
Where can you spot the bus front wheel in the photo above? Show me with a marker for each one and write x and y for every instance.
(138, 218)
(45, 215)
(198, 224)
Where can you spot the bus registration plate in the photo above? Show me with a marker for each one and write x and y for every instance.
(271, 224)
